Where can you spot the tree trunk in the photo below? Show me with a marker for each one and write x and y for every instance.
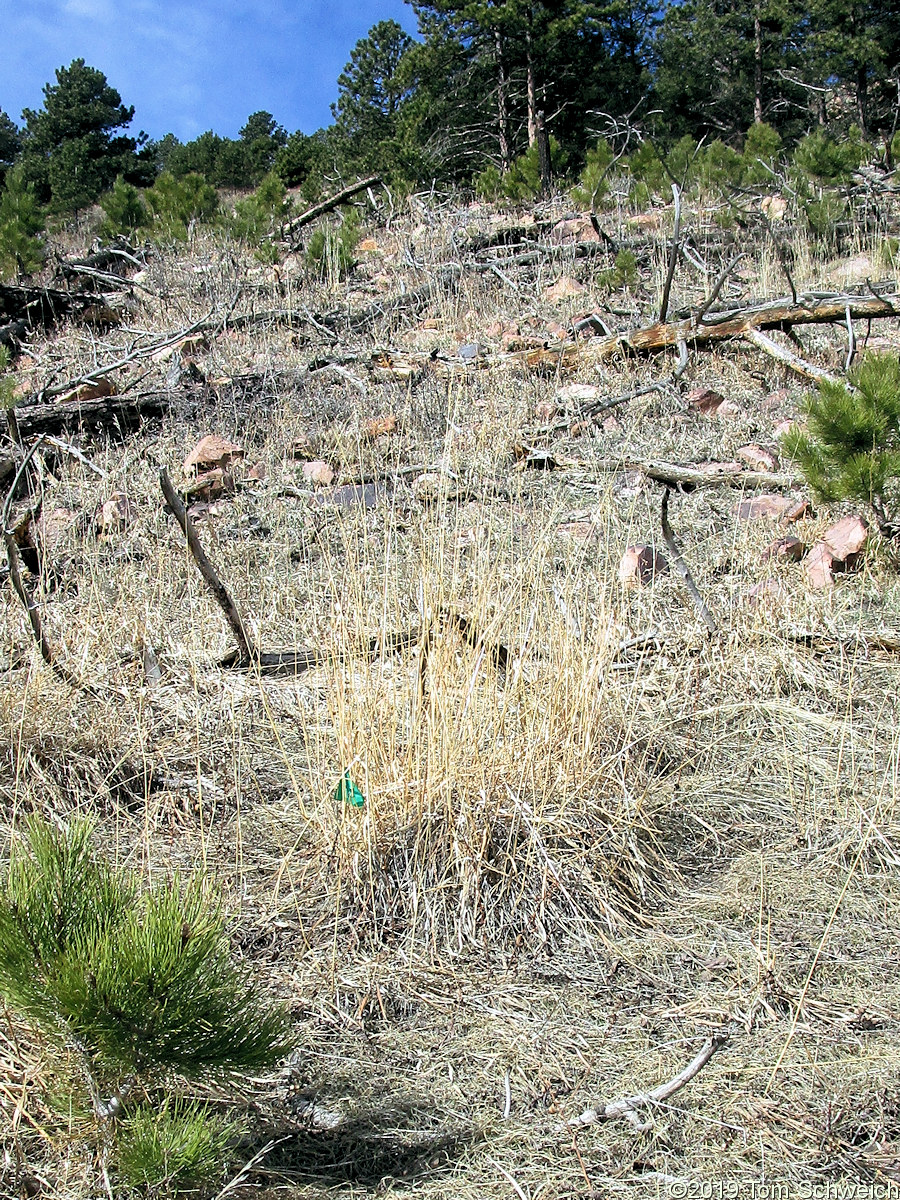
(502, 109)
(757, 67)
(531, 90)
(543, 144)
(862, 100)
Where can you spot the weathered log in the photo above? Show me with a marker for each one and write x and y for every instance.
(319, 210)
(783, 314)
(105, 412)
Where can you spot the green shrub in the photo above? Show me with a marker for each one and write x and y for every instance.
(489, 183)
(522, 181)
(827, 161)
(21, 220)
(143, 981)
(646, 167)
(173, 1146)
(890, 252)
(262, 214)
(762, 147)
(331, 248)
(138, 984)
(823, 217)
(592, 183)
(852, 449)
(177, 203)
(718, 167)
(623, 273)
(125, 210)
(7, 380)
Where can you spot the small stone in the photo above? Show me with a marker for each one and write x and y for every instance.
(578, 392)
(846, 540)
(757, 458)
(818, 566)
(318, 472)
(89, 391)
(773, 507)
(565, 288)
(115, 514)
(212, 452)
(210, 485)
(705, 401)
(787, 549)
(380, 426)
(352, 495)
(640, 565)
(774, 207)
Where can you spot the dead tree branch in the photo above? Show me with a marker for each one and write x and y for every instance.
(29, 603)
(332, 202)
(673, 254)
(794, 361)
(221, 595)
(682, 568)
(628, 1106)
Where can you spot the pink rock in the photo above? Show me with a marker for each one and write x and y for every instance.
(728, 408)
(611, 425)
(210, 485)
(212, 452)
(788, 549)
(575, 229)
(318, 472)
(846, 539)
(757, 458)
(115, 514)
(564, 288)
(798, 510)
(772, 507)
(818, 565)
(257, 472)
(640, 565)
(705, 401)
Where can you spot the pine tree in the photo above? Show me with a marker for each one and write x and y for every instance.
(852, 449)
(71, 149)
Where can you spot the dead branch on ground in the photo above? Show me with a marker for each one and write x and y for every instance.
(682, 568)
(247, 654)
(332, 202)
(29, 603)
(629, 1105)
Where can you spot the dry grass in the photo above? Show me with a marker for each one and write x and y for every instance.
(572, 866)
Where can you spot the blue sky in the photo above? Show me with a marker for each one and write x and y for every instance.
(205, 64)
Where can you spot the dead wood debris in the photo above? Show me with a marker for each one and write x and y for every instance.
(628, 1106)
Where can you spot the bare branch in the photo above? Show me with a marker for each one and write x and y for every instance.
(628, 1106)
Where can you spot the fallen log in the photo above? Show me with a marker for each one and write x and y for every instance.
(783, 314)
(105, 412)
(628, 1106)
(332, 202)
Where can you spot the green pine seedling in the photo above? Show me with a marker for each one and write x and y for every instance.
(852, 449)
(140, 983)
